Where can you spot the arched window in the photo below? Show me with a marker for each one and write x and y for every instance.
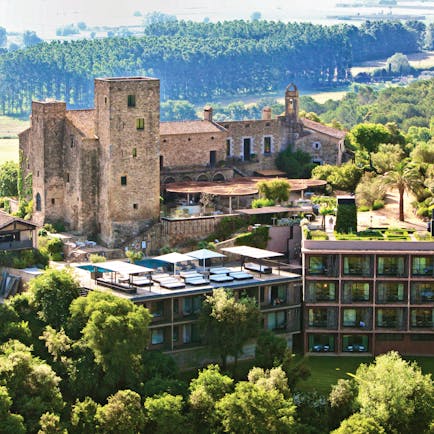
(38, 202)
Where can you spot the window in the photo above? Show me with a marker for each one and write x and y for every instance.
(175, 335)
(391, 266)
(321, 291)
(422, 318)
(228, 147)
(316, 146)
(422, 292)
(357, 265)
(357, 318)
(190, 334)
(157, 336)
(323, 264)
(276, 320)
(134, 152)
(53, 201)
(389, 292)
(192, 305)
(161, 162)
(355, 343)
(356, 291)
(321, 343)
(390, 318)
(422, 266)
(388, 337)
(123, 180)
(72, 141)
(131, 100)
(157, 309)
(267, 145)
(38, 202)
(67, 177)
(135, 206)
(140, 123)
(278, 294)
(323, 318)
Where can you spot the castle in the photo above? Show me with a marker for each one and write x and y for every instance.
(101, 170)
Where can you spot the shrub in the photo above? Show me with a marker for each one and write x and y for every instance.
(318, 235)
(23, 258)
(94, 258)
(49, 228)
(378, 204)
(363, 208)
(257, 238)
(346, 218)
(226, 227)
(261, 202)
(134, 255)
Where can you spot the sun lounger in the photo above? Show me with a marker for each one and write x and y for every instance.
(219, 270)
(172, 284)
(196, 281)
(141, 281)
(220, 278)
(265, 269)
(240, 275)
(160, 277)
(191, 275)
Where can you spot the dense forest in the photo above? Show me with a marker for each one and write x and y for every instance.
(201, 61)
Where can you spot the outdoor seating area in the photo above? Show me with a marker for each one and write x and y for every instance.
(265, 269)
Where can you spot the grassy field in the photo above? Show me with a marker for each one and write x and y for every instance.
(9, 129)
(423, 60)
(327, 370)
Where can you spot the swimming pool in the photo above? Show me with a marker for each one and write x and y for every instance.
(151, 263)
(91, 268)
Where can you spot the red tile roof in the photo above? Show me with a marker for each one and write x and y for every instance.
(189, 127)
(324, 129)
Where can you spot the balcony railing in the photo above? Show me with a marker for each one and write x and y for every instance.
(16, 245)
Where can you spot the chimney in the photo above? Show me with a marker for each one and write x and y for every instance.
(207, 113)
(266, 113)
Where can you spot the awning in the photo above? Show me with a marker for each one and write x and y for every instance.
(174, 258)
(251, 252)
(269, 210)
(205, 254)
(124, 268)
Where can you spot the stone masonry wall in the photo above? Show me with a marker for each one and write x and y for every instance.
(329, 149)
(192, 149)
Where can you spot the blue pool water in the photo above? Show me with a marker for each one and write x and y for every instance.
(151, 263)
(91, 268)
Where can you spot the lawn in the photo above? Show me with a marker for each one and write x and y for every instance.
(327, 370)
(9, 129)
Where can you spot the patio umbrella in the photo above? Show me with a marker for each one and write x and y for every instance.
(174, 258)
(204, 254)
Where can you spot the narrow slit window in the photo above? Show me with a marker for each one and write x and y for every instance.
(131, 100)
(134, 152)
(123, 180)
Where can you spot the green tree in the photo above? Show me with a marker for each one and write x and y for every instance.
(270, 350)
(32, 384)
(83, 417)
(3, 37)
(116, 331)
(227, 324)
(10, 423)
(50, 424)
(387, 157)
(395, 394)
(406, 176)
(359, 424)
(342, 399)
(13, 327)
(296, 164)
(257, 406)
(53, 292)
(30, 38)
(205, 391)
(122, 414)
(164, 415)
(276, 190)
(9, 179)
(367, 137)
(398, 64)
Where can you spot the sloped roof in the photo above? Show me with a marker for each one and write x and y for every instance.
(6, 220)
(83, 120)
(324, 129)
(189, 127)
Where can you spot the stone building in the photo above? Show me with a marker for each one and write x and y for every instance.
(101, 170)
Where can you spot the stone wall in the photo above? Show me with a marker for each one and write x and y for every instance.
(324, 149)
(192, 149)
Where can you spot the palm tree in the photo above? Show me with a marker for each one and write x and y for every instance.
(406, 176)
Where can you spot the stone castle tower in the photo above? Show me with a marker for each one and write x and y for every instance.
(291, 124)
(127, 124)
(97, 170)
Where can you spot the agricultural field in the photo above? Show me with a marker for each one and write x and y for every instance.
(9, 129)
(424, 60)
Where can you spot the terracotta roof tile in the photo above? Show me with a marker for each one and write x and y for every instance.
(189, 127)
(83, 120)
(324, 129)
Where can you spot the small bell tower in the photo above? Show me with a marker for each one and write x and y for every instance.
(291, 102)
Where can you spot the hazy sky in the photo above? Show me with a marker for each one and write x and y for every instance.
(44, 15)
